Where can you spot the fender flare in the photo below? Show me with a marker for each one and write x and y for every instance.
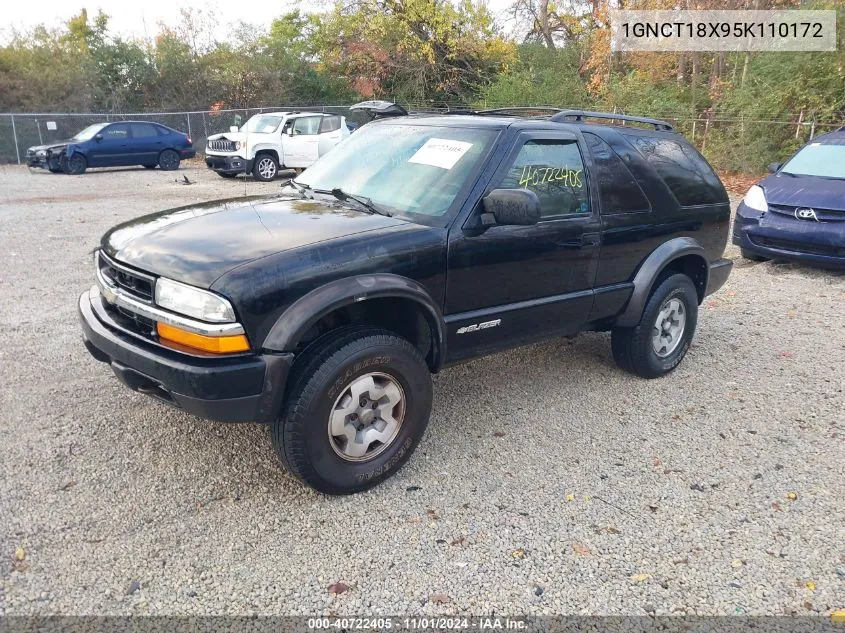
(266, 147)
(651, 268)
(298, 318)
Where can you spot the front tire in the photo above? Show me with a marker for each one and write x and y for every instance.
(265, 168)
(658, 344)
(169, 160)
(74, 165)
(358, 405)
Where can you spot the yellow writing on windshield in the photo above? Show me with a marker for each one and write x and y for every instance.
(533, 176)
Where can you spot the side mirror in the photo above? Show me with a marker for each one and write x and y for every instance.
(98, 137)
(519, 207)
(233, 128)
(289, 131)
(773, 167)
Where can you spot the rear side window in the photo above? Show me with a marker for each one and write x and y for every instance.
(618, 189)
(555, 172)
(329, 124)
(683, 169)
(306, 125)
(144, 130)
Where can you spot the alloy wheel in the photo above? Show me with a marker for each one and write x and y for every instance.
(366, 417)
(668, 329)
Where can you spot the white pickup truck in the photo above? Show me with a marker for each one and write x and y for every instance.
(272, 140)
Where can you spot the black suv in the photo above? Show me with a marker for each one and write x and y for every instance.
(419, 242)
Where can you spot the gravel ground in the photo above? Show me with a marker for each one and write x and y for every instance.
(548, 481)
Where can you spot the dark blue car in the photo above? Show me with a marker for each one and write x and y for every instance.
(798, 212)
(114, 145)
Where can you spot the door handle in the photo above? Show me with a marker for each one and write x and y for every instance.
(587, 239)
(591, 239)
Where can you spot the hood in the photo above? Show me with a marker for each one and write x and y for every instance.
(241, 136)
(56, 145)
(199, 243)
(805, 191)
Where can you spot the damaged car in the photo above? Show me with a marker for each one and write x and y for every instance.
(118, 144)
(271, 141)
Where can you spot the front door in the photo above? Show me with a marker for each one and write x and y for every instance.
(113, 149)
(508, 285)
(301, 148)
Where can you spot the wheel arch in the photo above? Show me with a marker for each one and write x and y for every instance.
(681, 254)
(267, 149)
(385, 300)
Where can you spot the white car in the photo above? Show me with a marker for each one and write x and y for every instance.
(272, 140)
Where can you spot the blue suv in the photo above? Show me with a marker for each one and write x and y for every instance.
(798, 212)
(115, 145)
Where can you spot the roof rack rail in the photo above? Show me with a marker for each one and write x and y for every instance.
(580, 115)
(518, 109)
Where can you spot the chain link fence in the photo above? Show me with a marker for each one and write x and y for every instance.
(20, 131)
(731, 144)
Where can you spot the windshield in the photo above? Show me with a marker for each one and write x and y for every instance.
(415, 169)
(817, 159)
(262, 123)
(89, 132)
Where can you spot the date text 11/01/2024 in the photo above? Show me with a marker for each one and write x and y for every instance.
(416, 624)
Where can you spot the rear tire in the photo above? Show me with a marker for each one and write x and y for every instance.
(754, 257)
(658, 344)
(169, 160)
(350, 385)
(74, 165)
(265, 168)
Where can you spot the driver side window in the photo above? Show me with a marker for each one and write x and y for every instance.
(554, 170)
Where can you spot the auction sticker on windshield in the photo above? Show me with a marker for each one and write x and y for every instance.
(440, 152)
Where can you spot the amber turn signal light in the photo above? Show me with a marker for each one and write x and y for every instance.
(213, 344)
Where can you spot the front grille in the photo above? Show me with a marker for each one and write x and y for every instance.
(799, 247)
(222, 145)
(823, 215)
(134, 283)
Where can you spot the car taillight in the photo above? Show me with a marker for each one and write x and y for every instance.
(190, 142)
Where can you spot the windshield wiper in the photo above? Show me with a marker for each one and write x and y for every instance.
(299, 187)
(341, 195)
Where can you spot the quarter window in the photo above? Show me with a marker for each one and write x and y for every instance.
(683, 169)
(618, 190)
(554, 171)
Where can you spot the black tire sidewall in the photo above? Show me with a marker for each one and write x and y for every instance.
(680, 287)
(329, 472)
(75, 164)
(161, 158)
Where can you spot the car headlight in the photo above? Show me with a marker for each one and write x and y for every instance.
(41, 153)
(237, 145)
(193, 302)
(756, 199)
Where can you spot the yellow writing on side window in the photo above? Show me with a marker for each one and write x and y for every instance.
(533, 176)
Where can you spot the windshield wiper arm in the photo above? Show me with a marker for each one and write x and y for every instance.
(365, 202)
(300, 187)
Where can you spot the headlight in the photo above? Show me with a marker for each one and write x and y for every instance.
(41, 153)
(190, 301)
(756, 199)
(237, 145)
